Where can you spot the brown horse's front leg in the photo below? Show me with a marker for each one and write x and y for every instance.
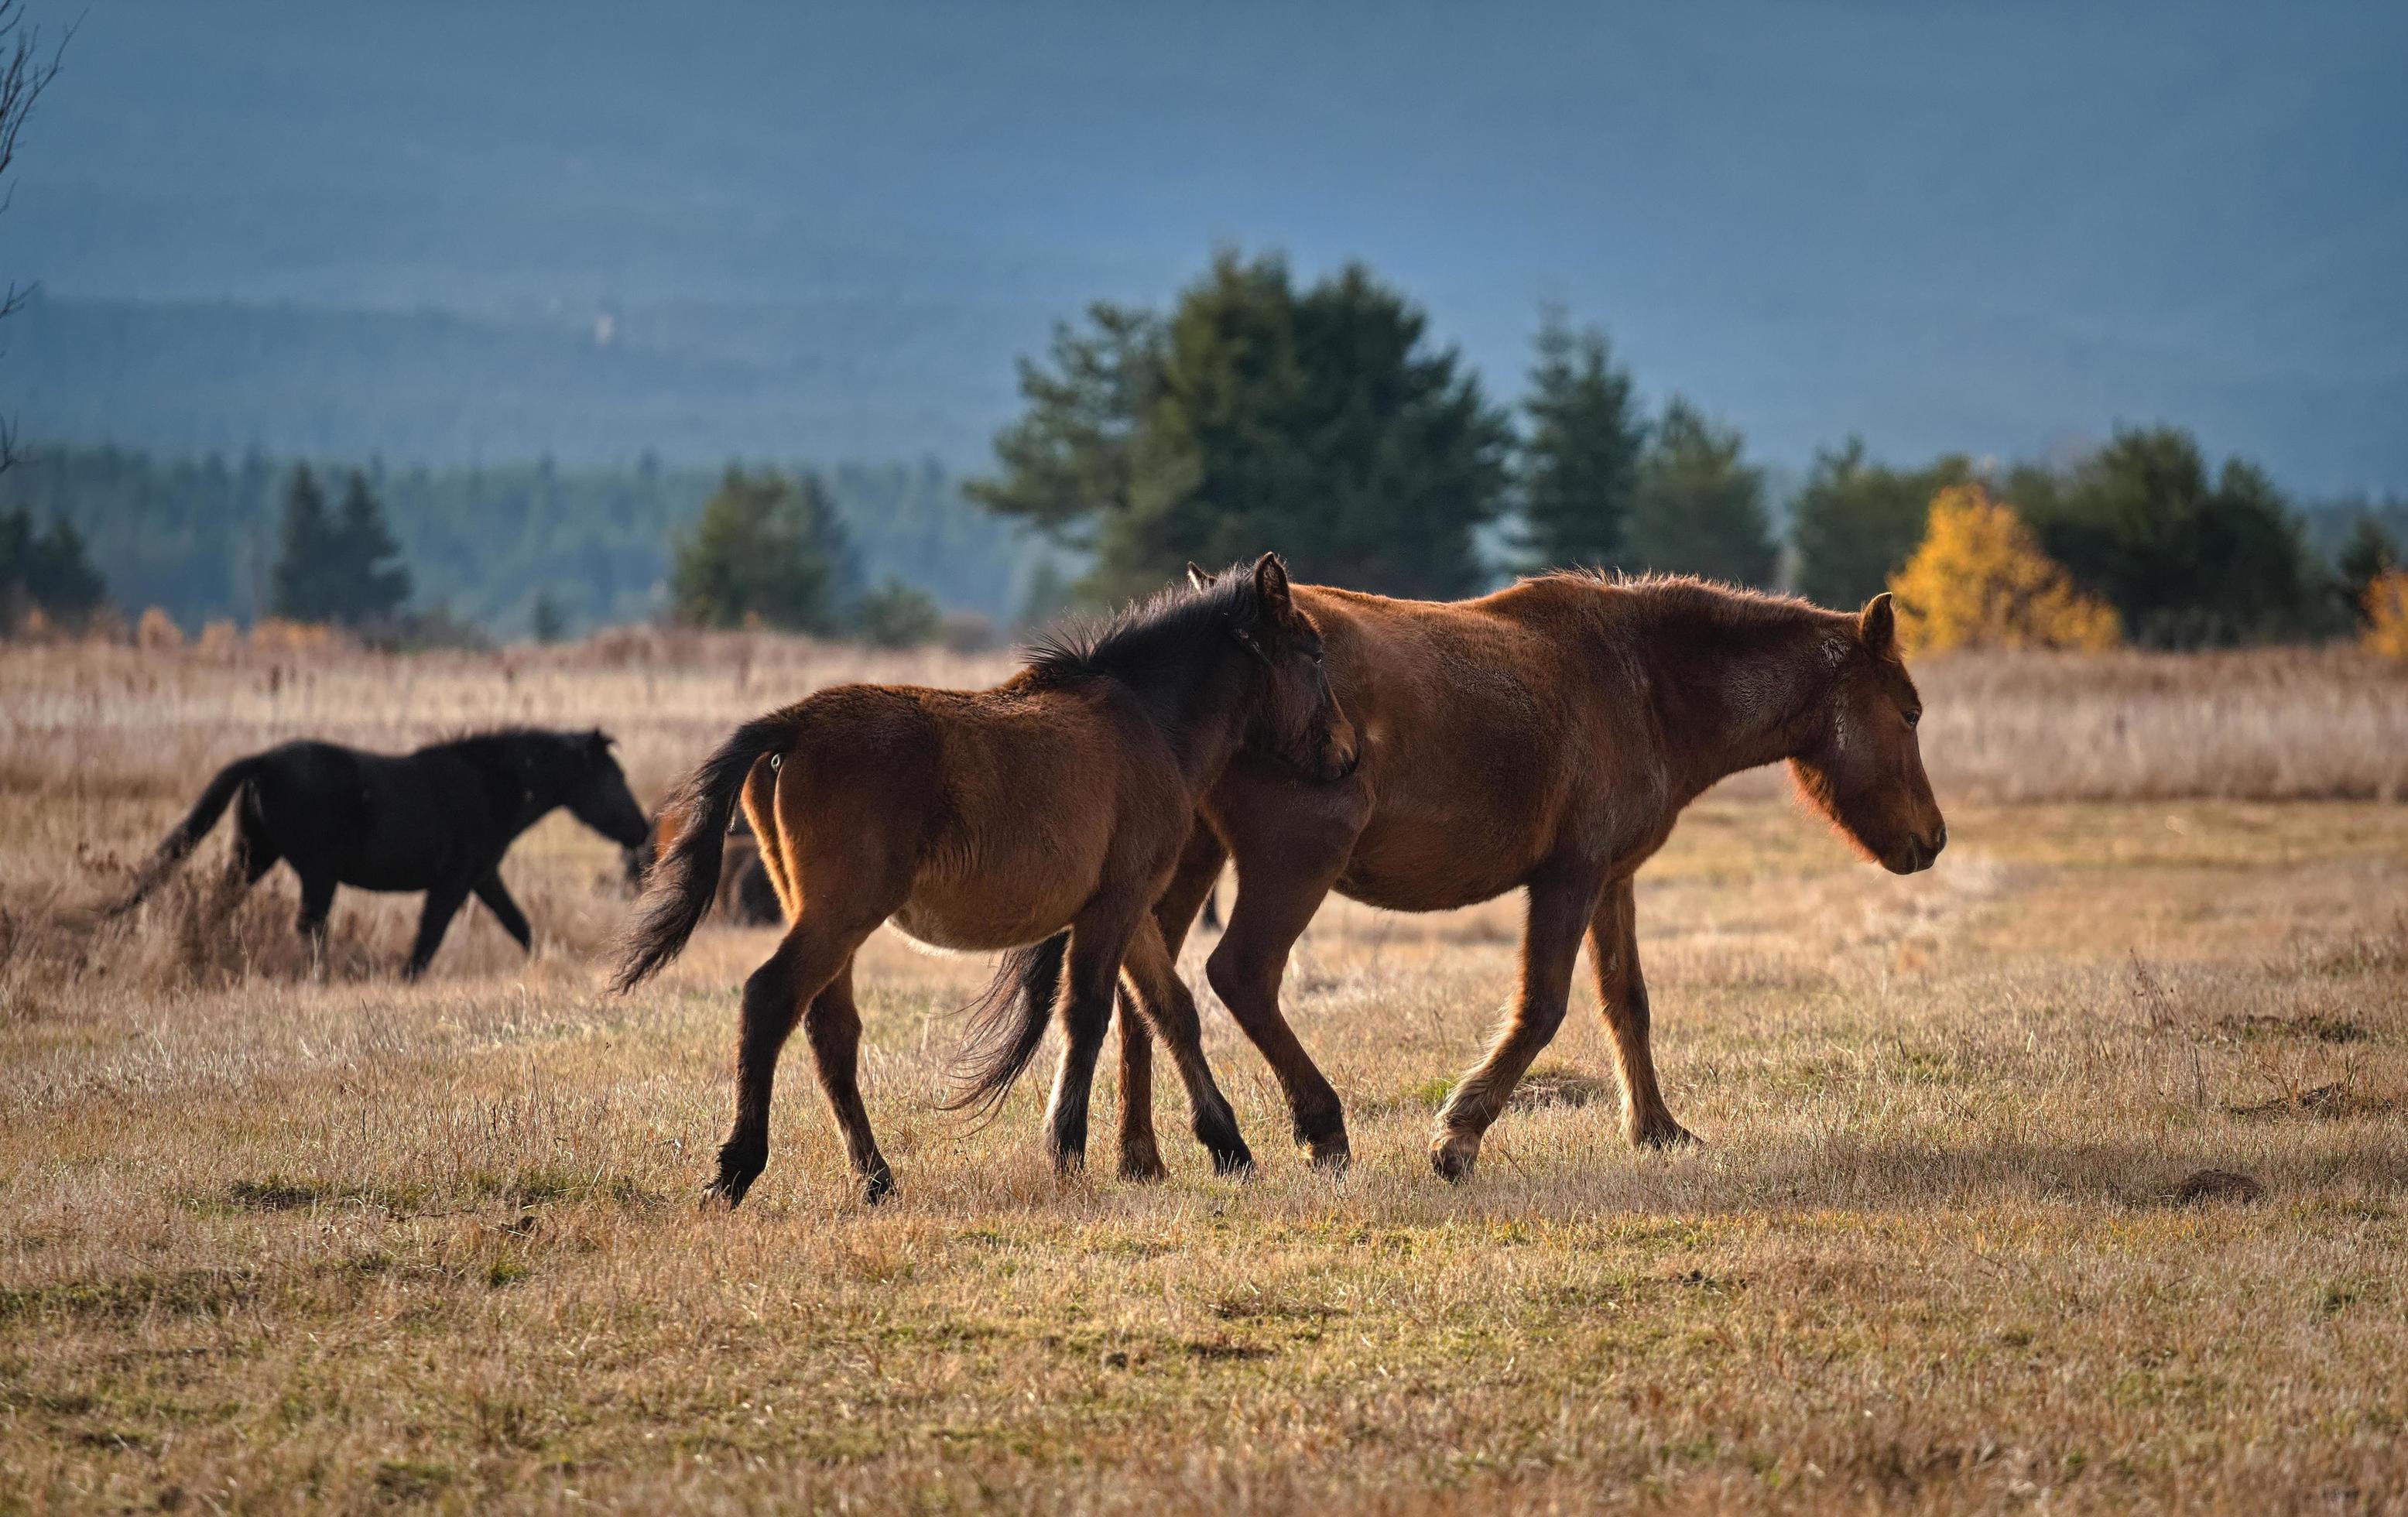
(1622, 996)
(1562, 900)
(1289, 852)
(1191, 885)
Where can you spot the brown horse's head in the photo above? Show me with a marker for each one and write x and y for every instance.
(1299, 722)
(1862, 766)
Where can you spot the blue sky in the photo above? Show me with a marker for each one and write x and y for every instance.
(2000, 229)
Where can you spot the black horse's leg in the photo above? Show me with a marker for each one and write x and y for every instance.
(317, 899)
(442, 903)
(506, 910)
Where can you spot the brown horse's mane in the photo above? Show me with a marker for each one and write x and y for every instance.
(1737, 606)
(1147, 637)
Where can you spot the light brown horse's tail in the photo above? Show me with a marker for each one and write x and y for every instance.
(684, 880)
(187, 835)
(1007, 1023)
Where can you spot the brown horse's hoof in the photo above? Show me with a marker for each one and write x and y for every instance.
(1234, 1163)
(1454, 1155)
(1332, 1155)
(877, 1186)
(1143, 1167)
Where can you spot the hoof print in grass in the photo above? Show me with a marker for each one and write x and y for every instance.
(2218, 1185)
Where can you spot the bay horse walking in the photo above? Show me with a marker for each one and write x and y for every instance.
(1544, 738)
(438, 820)
(996, 818)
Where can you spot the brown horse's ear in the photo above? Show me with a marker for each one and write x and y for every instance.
(1196, 577)
(1270, 582)
(1877, 624)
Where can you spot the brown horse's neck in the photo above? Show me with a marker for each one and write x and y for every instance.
(1736, 680)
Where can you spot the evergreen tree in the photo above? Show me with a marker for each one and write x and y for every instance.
(546, 620)
(1315, 421)
(1580, 461)
(1856, 522)
(46, 570)
(306, 584)
(2367, 556)
(1698, 509)
(2189, 562)
(370, 589)
(766, 549)
(895, 615)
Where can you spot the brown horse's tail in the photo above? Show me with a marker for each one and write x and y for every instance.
(1007, 1023)
(684, 880)
(179, 844)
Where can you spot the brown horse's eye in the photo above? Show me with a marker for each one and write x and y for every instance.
(1913, 717)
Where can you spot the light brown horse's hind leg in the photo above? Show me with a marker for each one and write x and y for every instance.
(1562, 901)
(1622, 997)
(833, 1025)
(1171, 1010)
(1278, 892)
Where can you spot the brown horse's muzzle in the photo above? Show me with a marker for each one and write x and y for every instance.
(1918, 853)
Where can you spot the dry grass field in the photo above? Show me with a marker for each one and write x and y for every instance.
(268, 1243)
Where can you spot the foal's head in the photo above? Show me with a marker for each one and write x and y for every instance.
(1298, 720)
(577, 769)
(1862, 766)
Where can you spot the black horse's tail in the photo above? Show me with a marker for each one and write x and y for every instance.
(1007, 1023)
(179, 843)
(684, 879)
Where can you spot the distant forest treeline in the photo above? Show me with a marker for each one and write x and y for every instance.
(198, 538)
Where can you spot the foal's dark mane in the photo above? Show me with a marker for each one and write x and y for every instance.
(1147, 638)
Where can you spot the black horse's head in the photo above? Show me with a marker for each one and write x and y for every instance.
(577, 769)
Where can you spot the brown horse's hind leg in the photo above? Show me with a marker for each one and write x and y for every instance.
(807, 961)
(1622, 996)
(1199, 870)
(1172, 1011)
(1562, 899)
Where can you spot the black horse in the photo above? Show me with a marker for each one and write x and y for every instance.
(438, 820)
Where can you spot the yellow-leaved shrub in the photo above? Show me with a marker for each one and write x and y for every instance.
(2386, 614)
(1979, 580)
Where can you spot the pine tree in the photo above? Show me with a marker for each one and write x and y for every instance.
(2365, 557)
(1857, 523)
(766, 549)
(1319, 421)
(370, 589)
(1698, 509)
(305, 584)
(1580, 461)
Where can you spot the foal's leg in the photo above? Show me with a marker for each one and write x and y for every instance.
(833, 1025)
(1172, 1011)
(1622, 994)
(491, 891)
(808, 961)
(1100, 940)
(442, 903)
(1562, 899)
(1200, 869)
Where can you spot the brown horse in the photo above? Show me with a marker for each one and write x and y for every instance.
(996, 818)
(1545, 737)
(745, 897)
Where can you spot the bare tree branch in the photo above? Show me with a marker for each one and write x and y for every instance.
(24, 74)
